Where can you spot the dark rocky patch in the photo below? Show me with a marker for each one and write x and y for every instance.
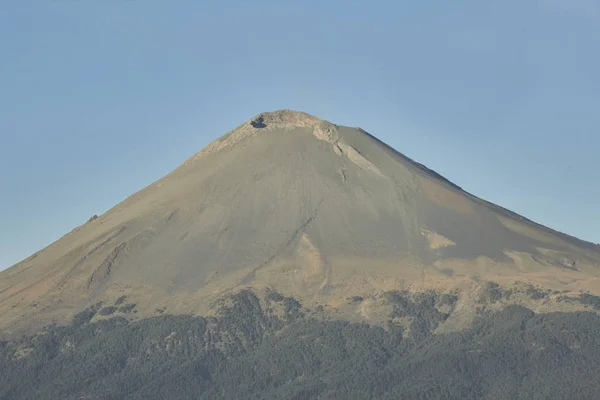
(107, 310)
(127, 308)
(120, 300)
(258, 123)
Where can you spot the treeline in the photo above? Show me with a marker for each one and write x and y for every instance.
(249, 353)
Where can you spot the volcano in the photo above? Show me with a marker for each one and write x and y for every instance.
(318, 212)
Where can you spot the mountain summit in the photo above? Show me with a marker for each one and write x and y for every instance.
(316, 211)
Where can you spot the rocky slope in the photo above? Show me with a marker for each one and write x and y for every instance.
(324, 214)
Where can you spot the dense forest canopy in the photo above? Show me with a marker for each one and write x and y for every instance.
(248, 352)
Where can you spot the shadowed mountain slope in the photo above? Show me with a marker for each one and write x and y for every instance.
(320, 212)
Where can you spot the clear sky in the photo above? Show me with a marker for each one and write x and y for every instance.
(99, 98)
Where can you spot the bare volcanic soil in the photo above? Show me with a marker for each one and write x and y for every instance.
(324, 214)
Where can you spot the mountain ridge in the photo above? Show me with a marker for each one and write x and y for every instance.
(288, 201)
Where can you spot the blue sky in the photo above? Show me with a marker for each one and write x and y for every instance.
(99, 98)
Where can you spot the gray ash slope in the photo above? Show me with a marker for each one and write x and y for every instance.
(317, 211)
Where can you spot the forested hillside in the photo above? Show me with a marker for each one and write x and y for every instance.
(248, 352)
